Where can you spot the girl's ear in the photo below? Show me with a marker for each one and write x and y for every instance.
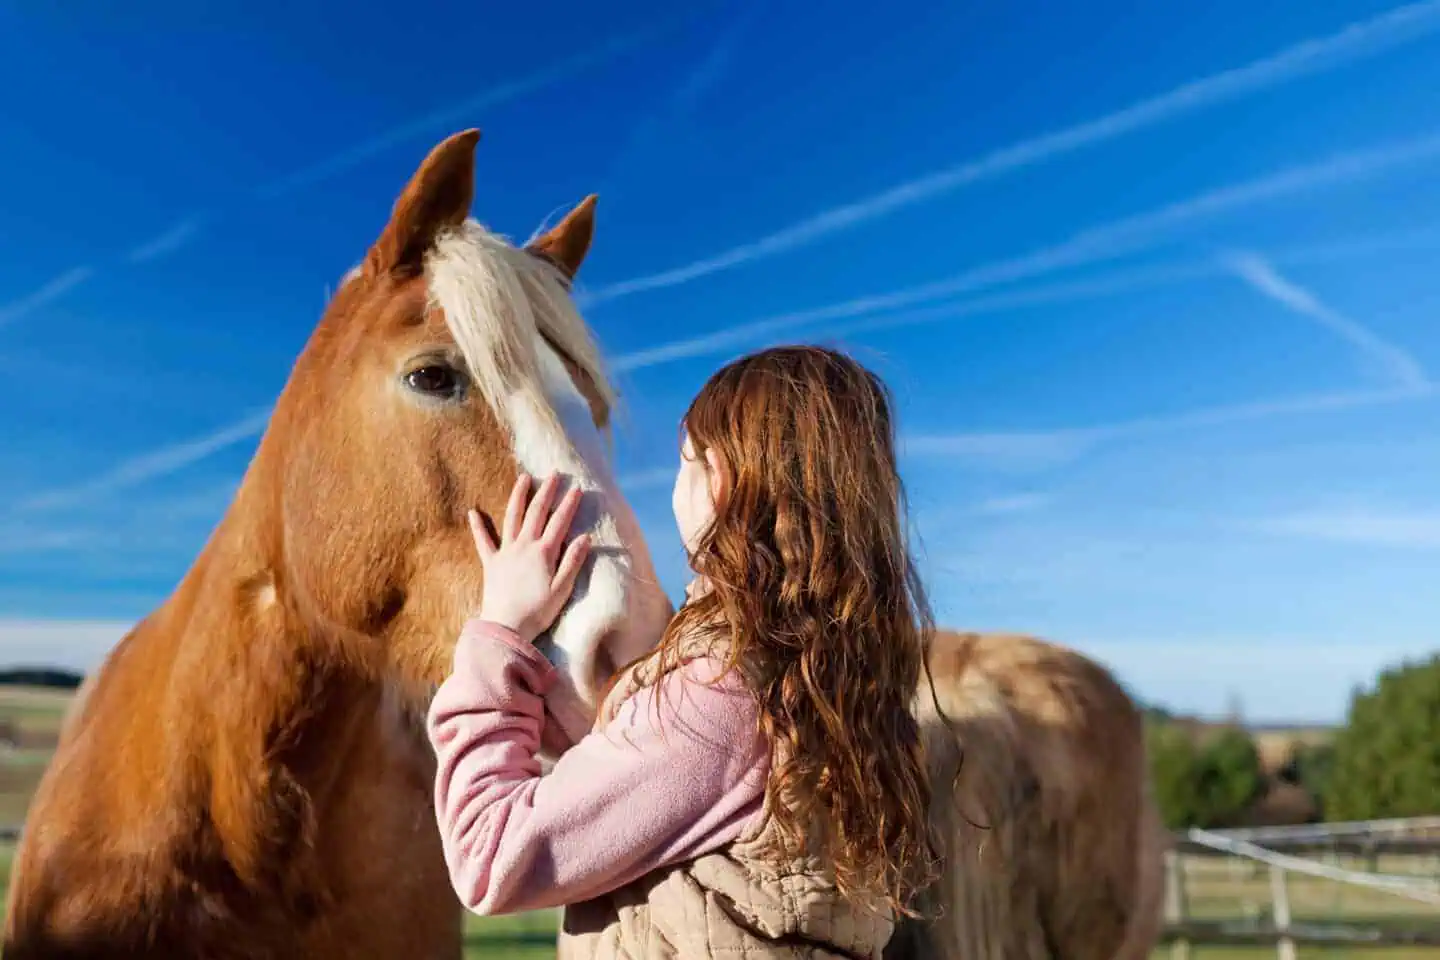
(719, 479)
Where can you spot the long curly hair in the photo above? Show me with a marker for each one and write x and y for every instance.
(813, 597)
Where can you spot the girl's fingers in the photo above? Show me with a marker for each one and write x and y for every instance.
(539, 510)
(515, 509)
(484, 545)
(561, 519)
(570, 563)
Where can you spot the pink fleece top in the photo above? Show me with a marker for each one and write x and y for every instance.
(680, 771)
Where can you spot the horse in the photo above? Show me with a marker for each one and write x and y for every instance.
(246, 775)
(1053, 846)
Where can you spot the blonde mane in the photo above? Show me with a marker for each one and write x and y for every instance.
(498, 300)
(511, 314)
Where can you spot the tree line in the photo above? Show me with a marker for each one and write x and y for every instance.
(40, 677)
(1384, 761)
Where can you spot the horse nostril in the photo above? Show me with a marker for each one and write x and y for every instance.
(603, 669)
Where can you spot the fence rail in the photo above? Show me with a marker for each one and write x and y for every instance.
(1395, 826)
(1346, 846)
(1410, 887)
(1262, 849)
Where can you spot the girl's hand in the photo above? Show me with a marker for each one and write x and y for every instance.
(527, 578)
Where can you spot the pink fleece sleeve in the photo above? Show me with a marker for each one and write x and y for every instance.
(633, 796)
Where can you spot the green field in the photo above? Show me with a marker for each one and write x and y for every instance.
(1215, 888)
(1219, 888)
(31, 718)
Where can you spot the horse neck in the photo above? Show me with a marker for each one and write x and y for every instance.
(265, 704)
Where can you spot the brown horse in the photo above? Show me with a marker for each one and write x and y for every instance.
(1054, 844)
(246, 776)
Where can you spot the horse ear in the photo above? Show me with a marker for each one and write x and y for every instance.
(438, 196)
(566, 244)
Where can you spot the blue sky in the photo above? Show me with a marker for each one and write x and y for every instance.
(1155, 287)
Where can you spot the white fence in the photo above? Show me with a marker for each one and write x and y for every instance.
(1254, 851)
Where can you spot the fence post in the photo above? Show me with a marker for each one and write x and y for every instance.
(1280, 911)
(1175, 903)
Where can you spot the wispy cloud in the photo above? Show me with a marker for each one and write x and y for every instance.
(1394, 364)
(27, 539)
(1034, 450)
(489, 98)
(49, 291)
(148, 466)
(1270, 409)
(1119, 282)
(789, 324)
(187, 229)
(1019, 451)
(1308, 56)
(1362, 526)
(711, 68)
(1094, 244)
(682, 99)
(1013, 504)
(168, 241)
(128, 536)
(648, 479)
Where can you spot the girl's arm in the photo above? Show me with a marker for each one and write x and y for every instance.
(636, 795)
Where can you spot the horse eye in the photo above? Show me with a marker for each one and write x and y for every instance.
(435, 380)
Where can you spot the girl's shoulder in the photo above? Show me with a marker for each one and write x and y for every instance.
(666, 679)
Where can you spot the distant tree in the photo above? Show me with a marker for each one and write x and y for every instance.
(1209, 783)
(1229, 778)
(1173, 763)
(40, 677)
(1153, 711)
(1387, 756)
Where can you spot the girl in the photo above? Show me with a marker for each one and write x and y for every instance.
(755, 787)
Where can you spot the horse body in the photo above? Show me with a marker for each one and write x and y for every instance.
(1054, 845)
(247, 775)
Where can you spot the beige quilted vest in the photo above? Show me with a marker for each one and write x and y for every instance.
(733, 904)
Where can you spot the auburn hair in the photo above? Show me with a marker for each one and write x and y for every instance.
(814, 598)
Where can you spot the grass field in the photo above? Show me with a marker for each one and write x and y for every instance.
(31, 717)
(1215, 889)
(1221, 888)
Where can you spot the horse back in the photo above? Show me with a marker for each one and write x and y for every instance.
(1041, 789)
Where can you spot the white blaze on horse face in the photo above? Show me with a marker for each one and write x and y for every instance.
(497, 300)
(615, 597)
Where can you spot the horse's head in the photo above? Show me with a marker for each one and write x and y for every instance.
(445, 363)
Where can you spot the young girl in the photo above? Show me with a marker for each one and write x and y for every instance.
(755, 787)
